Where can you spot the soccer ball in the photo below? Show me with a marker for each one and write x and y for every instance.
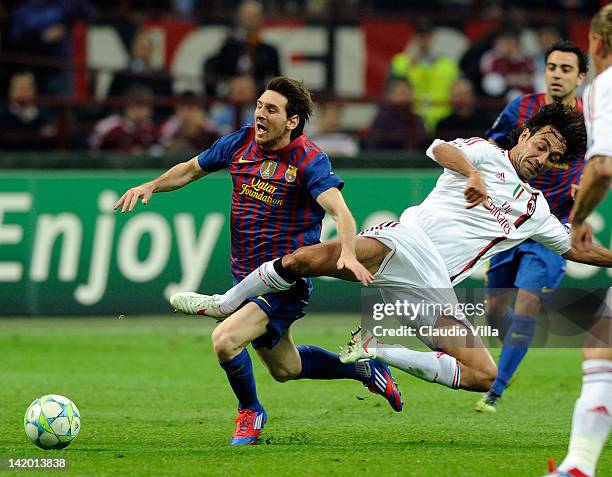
(52, 421)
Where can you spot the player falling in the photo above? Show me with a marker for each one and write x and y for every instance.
(283, 186)
(481, 205)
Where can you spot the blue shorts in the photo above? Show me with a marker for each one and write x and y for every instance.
(530, 266)
(283, 309)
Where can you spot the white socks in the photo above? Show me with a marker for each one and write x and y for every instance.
(592, 417)
(264, 279)
(432, 366)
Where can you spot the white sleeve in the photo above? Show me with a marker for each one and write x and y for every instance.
(475, 149)
(600, 116)
(554, 235)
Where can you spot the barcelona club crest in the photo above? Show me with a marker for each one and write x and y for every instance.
(267, 169)
(290, 173)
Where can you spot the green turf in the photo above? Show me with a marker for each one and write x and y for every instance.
(154, 402)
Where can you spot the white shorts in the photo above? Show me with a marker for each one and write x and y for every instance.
(413, 271)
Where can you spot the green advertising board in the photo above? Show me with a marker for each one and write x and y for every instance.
(63, 250)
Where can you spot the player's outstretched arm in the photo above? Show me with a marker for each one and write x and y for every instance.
(174, 178)
(453, 159)
(594, 185)
(333, 203)
(596, 255)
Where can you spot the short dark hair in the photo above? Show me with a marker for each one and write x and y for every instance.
(566, 120)
(569, 47)
(299, 100)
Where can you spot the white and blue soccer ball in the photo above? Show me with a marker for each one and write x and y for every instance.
(52, 421)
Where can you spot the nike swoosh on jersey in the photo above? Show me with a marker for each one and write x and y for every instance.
(243, 160)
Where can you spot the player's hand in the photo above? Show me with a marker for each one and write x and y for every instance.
(582, 236)
(351, 263)
(130, 198)
(476, 191)
(574, 188)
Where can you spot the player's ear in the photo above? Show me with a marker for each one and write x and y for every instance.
(581, 78)
(524, 135)
(600, 49)
(293, 122)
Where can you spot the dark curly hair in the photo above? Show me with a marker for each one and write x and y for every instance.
(569, 47)
(567, 121)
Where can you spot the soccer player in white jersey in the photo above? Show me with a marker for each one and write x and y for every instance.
(438, 243)
(593, 411)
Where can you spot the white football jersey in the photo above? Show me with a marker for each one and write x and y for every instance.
(467, 238)
(598, 114)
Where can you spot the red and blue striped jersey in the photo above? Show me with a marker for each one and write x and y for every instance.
(273, 209)
(554, 184)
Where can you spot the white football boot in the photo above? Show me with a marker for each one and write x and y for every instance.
(192, 303)
(362, 345)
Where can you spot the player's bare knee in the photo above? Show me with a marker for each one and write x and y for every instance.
(224, 345)
(283, 374)
(478, 377)
(489, 375)
(484, 376)
(298, 262)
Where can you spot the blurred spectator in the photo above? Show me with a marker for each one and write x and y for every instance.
(42, 30)
(395, 126)
(506, 70)
(465, 120)
(547, 36)
(242, 96)
(132, 131)
(22, 124)
(189, 130)
(431, 76)
(243, 53)
(142, 73)
(510, 17)
(329, 135)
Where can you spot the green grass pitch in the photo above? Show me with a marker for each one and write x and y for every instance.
(154, 402)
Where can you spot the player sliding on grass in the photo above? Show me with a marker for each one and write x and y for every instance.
(283, 186)
(438, 244)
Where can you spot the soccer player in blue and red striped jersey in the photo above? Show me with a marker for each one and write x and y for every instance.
(530, 267)
(283, 185)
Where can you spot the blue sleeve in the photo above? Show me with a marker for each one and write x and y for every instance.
(504, 124)
(220, 154)
(319, 176)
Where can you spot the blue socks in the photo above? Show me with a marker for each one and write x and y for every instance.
(318, 363)
(516, 343)
(240, 376)
(504, 323)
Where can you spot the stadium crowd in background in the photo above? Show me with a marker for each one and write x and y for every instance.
(430, 75)
(243, 53)
(132, 130)
(42, 29)
(23, 125)
(141, 71)
(396, 126)
(499, 61)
